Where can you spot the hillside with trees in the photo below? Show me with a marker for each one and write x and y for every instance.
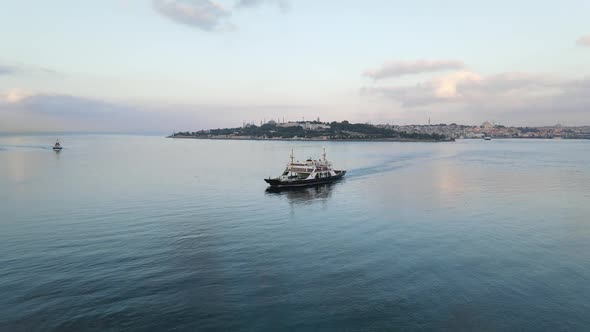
(313, 131)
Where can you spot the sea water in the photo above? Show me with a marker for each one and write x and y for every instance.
(142, 233)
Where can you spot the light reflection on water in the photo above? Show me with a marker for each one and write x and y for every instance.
(304, 195)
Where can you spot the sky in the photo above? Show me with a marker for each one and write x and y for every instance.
(158, 66)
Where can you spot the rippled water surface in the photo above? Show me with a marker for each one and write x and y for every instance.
(147, 233)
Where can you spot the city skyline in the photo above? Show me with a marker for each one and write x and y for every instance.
(156, 66)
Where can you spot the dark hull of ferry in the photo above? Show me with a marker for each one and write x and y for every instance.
(276, 183)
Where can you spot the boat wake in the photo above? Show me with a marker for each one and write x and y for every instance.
(386, 165)
(36, 147)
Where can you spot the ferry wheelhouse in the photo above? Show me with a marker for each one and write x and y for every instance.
(310, 172)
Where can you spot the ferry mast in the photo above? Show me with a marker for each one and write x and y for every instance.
(291, 165)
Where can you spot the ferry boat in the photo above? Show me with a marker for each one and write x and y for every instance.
(57, 146)
(311, 172)
(487, 138)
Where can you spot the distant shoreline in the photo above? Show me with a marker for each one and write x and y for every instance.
(406, 140)
(313, 139)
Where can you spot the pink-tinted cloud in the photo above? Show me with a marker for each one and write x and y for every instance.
(14, 96)
(469, 88)
(584, 41)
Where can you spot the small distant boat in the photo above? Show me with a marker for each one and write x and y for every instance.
(487, 138)
(57, 146)
(309, 173)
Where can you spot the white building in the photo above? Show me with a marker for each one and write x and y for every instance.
(290, 124)
(305, 125)
(315, 126)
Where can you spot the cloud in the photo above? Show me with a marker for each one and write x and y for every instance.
(469, 88)
(283, 5)
(512, 98)
(446, 87)
(207, 15)
(25, 70)
(14, 96)
(442, 89)
(584, 41)
(43, 112)
(401, 68)
(68, 113)
(8, 70)
(201, 14)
